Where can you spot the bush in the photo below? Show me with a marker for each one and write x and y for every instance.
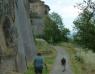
(88, 58)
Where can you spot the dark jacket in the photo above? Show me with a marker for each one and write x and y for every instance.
(63, 61)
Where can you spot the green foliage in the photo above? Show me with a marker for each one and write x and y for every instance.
(42, 45)
(51, 31)
(58, 20)
(54, 30)
(85, 25)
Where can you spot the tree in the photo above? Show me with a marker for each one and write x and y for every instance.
(85, 25)
(63, 31)
(51, 31)
(54, 30)
(57, 19)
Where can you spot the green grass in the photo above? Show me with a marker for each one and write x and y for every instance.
(49, 54)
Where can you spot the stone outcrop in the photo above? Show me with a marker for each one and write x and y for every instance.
(16, 38)
(25, 33)
(37, 12)
(7, 44)
(17, 45)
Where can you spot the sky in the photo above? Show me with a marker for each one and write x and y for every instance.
(66, 9)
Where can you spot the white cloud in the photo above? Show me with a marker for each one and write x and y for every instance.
(66, 9)
(69, 11)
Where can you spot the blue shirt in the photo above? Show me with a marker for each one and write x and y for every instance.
(38, 61)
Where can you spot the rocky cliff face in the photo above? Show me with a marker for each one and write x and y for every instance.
(20, 45)
(25, 34)
(17, 45)
(37, 11)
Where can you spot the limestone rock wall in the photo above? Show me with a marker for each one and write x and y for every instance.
(25, 34)
(18, 49)
(37, 11)
(23, 49)
(37, 26)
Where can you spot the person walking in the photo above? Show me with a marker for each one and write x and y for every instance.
(63, 62)
(39, 63)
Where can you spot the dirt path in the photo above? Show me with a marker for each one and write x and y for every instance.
(57, 68)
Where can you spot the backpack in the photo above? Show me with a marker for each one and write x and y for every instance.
(38, 62)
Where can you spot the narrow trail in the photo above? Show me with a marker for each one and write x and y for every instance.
(57, 68)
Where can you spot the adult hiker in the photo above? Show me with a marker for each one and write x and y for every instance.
(63, 62)
(39, 63)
